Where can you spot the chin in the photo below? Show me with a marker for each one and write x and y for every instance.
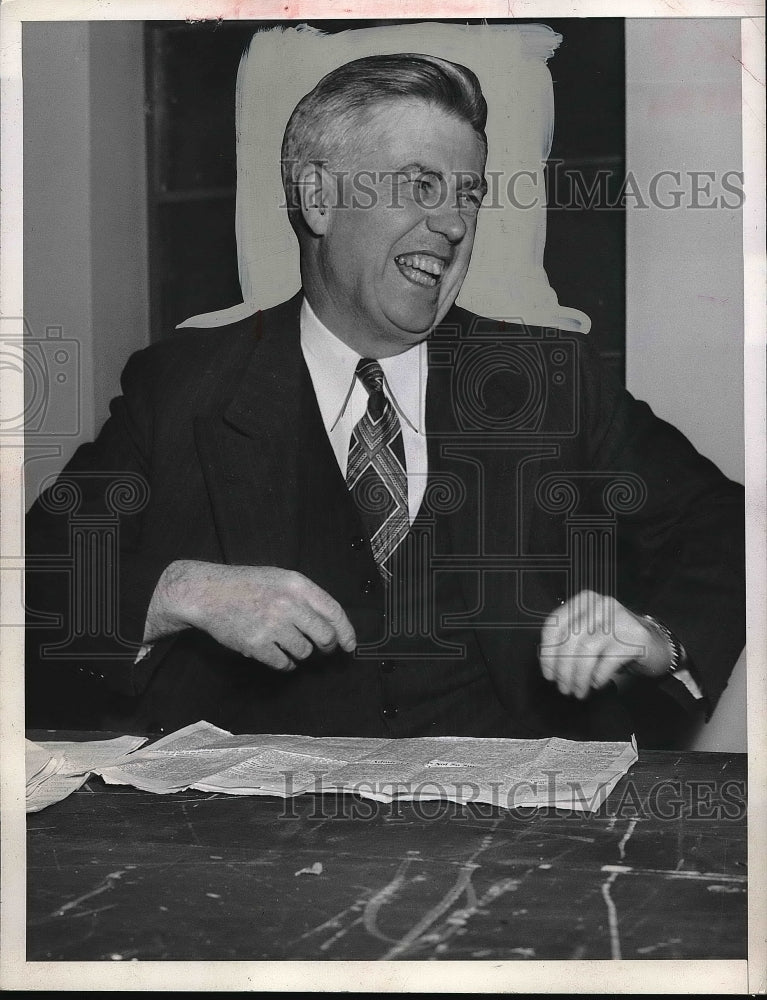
(414, 326)
(408, 338)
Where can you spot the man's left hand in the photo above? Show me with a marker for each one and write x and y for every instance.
(590, 638)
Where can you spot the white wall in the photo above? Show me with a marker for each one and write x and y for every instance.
(684, 267)
(85, 242)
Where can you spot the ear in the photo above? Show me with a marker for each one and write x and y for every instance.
(315, 192)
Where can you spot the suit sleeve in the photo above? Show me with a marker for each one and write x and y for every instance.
(88, 583)
(681, 552)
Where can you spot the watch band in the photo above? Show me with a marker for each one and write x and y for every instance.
(675, 648)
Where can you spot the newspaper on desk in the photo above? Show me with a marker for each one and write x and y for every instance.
(553, 772)
(55, 770)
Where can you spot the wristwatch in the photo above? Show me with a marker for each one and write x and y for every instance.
(674, 646)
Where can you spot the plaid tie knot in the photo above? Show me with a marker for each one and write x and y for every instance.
(370, 373)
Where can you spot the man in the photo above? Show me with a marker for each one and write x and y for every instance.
(369, 512)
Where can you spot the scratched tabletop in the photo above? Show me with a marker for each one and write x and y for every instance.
(659, 872)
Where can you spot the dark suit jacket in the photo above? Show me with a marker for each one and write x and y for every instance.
(566, 481)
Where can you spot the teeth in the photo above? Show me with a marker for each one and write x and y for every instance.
(422, 262)
(420, 277)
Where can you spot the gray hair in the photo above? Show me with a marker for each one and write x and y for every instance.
(333, 116)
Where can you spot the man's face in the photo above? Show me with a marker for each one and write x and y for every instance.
(395, 253)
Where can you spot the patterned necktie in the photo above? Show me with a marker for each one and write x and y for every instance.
(375, 472)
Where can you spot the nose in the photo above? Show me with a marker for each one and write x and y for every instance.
(447, 221)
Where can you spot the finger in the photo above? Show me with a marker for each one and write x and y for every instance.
(598, 643)
(611, 662)
(317, 629)
(577, 663)
(294, 643)
(560, 637)
(548, 657)
(272, 656)
(571, 639)
(577, 635)
(336, 617)
(329, 609)
(566, 669)
(592, 657)
(553, 635)
(557, 660)
(343, 628)
(347, 637)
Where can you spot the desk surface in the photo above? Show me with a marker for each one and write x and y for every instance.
(658, 872)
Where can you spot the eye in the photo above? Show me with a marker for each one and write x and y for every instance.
(425, 183)
(428, 189)
(470, 199)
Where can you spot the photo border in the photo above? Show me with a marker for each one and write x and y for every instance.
(448, 977)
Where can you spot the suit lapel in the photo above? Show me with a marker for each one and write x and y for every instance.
(249, 448)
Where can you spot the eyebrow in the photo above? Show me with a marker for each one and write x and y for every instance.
(470, 181)
(419, 167)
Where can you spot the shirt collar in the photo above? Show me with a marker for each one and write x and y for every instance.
(332, 365)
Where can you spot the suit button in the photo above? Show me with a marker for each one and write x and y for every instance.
(387, 666)
(367, 586)
(358, 542)
(390, 712)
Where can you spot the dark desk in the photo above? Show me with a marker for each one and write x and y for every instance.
(659, 872)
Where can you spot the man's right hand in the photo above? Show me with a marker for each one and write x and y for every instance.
(273, 615)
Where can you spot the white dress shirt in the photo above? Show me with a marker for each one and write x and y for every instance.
(343, 399)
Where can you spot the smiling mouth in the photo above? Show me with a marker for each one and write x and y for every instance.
(421, 268)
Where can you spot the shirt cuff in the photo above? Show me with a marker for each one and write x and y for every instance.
(145, 650)
(685, 677)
